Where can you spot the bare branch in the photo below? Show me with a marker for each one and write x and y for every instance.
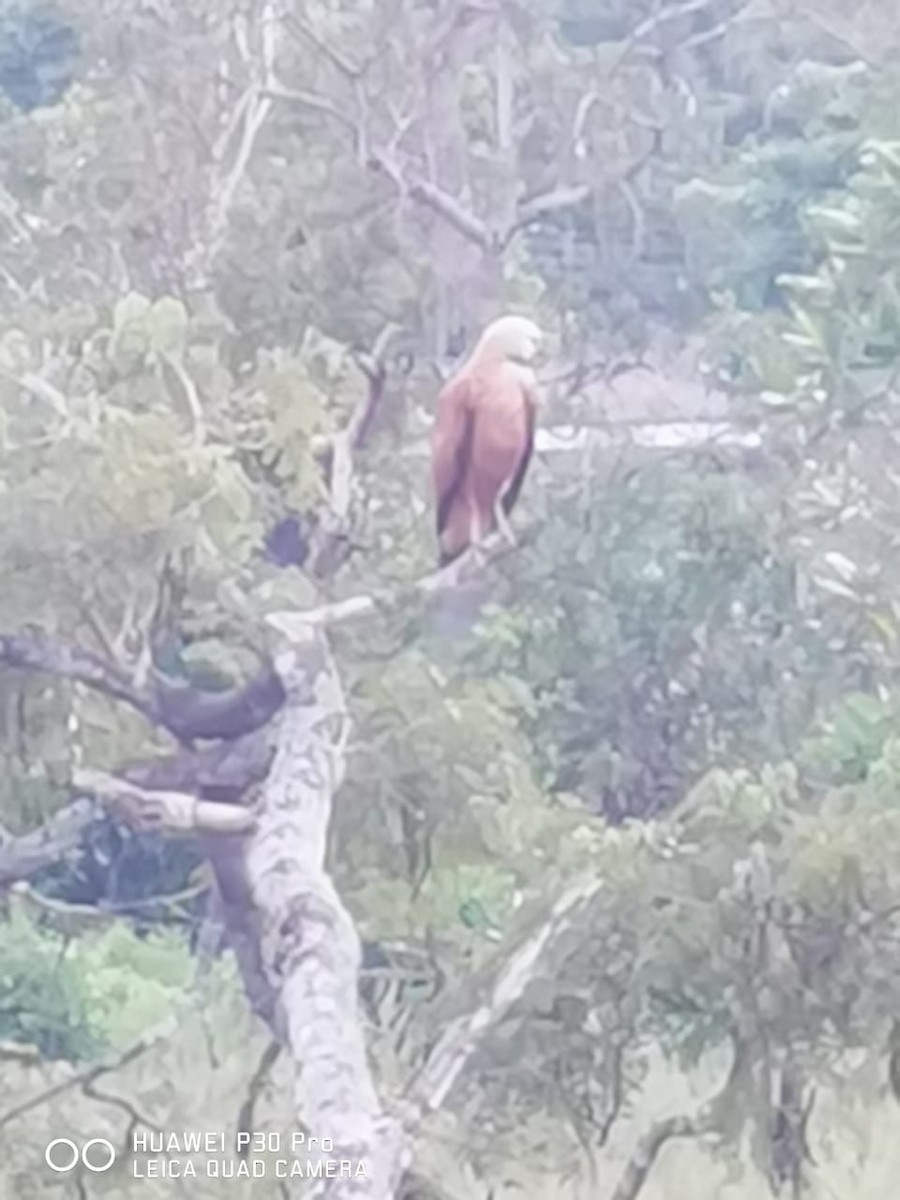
(226, 770)
(166, 812)
(636, 1173)
(191, 396)
(292, 623)
(254, 117)
(456, 15)
(186, 711)
(79, 1079)
(351, 70)
(549, 202)
(70, 916)
(41, 389)
(503, 71)
(60, 836)
(17, 1052)
(127, 1106)
(277, 91)
(251, 114)
(419, 189)
(220, 771)
(374, 368)
(638, 228)
(703, 37)
(31, 650)
(341, 476)
(233, 124)
(460, 1039)
(245, 1118)
(669, 12)
(617, 1095)
(452, 211)
(331, 539)
(703, 1123)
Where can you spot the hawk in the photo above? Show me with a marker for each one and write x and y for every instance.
(484, 435)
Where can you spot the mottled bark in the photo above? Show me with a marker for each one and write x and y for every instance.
(309, 951)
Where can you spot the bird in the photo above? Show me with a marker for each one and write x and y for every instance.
(483, 436)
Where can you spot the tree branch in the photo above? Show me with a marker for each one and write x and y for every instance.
(636, 1173)
(423, 191)
(331, 539)
(32, 650)
(460, 1039)
(54, 840)
(548, 202)
(308, 946)
(185, 711)
(446, 206)
(78, 1080)
(468, 565)
(662, 16)
(222, 772)
(374, 367)
(190, 713)
(250, 116)
(246, 1113)
(163, 811)
(335, 57)
(219, 772)
(311, 100)
(705, 1122)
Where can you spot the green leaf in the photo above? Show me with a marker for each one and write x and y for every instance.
(776, 400)
(167, 324)
(807, 284)
(838, 218)
(131, 308)
(834, 587)
(474, 916)
(841, 565)
(130, 341)
(885, 151)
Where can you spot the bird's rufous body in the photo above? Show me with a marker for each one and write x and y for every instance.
(483, 436)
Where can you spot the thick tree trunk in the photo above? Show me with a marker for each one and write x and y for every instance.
(309, 951)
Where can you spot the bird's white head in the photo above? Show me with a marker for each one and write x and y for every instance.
(514, 338)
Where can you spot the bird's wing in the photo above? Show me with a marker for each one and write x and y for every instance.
(454, 431)
(511, 495)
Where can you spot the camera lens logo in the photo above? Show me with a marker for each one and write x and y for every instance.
(62, 1155)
